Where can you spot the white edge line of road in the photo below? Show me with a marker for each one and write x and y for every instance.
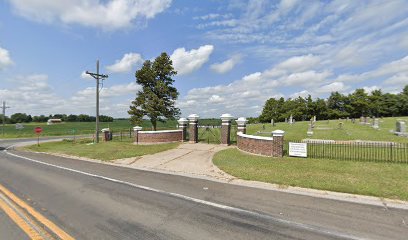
(196, 200)
(339, 196)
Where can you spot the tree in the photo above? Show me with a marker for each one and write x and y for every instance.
(104, 118)
(271, 110)
(338, 105)
(19, 118)
(157, 98)
(359, 103)
(72, 118)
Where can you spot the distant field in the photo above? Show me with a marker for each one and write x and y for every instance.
(67, 128)
(323, 130)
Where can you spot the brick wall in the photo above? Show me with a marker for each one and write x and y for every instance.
(160, 136)
(266, 146)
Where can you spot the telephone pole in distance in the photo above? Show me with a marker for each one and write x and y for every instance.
(98, 77)
(4, 116)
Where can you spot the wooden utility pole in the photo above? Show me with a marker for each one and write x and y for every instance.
(98, 77)
(4, 116)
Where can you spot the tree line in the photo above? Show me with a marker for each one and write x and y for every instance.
(337, 105)
(24, 118)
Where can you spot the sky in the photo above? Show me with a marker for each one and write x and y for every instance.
(231, 56)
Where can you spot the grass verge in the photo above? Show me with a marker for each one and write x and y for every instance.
(365, 178)
(105, 151)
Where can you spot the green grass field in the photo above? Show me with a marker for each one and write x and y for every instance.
(374, 179)
(80, 128)
(330, 130)
(105, 151)
(323, 130)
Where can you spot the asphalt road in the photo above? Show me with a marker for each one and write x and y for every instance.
(95, 201)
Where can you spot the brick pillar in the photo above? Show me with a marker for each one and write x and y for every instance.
(277, 143)
(136, 131)
(226, 128)
(183, 122)
(193, 118)
(241, 125)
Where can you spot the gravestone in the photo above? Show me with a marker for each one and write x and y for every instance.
(272, 122)
(361, 120)
(286, 120)
(401, 128)
(291, 119)
(375, 123)
(310, 130)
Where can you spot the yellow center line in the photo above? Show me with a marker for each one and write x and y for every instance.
(31, 232)
(38, 216)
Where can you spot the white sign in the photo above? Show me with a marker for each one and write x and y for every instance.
(297, 149)
(19, 126)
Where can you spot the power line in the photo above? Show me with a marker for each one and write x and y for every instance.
(4, 107)
(98, 77)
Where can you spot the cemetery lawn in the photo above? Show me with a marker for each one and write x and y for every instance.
(105, 151)
(330, 130)
(366, 178)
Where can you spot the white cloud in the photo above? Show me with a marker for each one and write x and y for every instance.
(125, 64)
(186, 62)
(107, 15)
(303, 94)
(227, 65)
(308, 78)
(5, 59)
(215, 99)
(299, 63)
(33, 95)
(393, 68)
(332, 87)
(370, 89)
(400, 79)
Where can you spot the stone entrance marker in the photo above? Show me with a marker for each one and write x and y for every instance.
(242, 124)
(136, 131)
(226, 128)
(193, 118)
(183, 122)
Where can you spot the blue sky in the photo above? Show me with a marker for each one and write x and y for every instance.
(231, 56)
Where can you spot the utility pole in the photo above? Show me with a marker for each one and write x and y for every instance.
(4, 116)
(98, 77)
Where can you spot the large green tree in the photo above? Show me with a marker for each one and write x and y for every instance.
(157, 98)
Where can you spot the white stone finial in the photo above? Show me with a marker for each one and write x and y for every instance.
(278, 133)
(137, 128)
(241, 121)
(182, 121)
(226, 117)
(193, 117)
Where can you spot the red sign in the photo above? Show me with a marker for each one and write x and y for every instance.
(38, 130)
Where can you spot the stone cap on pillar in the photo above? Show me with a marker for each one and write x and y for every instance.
(105, 130)
(278, 133)
(226, 117)
(137, 128)
(182, 121)
(193, 117)
(241, 121)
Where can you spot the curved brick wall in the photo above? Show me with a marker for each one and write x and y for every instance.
(267, 146)
(160, 136)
